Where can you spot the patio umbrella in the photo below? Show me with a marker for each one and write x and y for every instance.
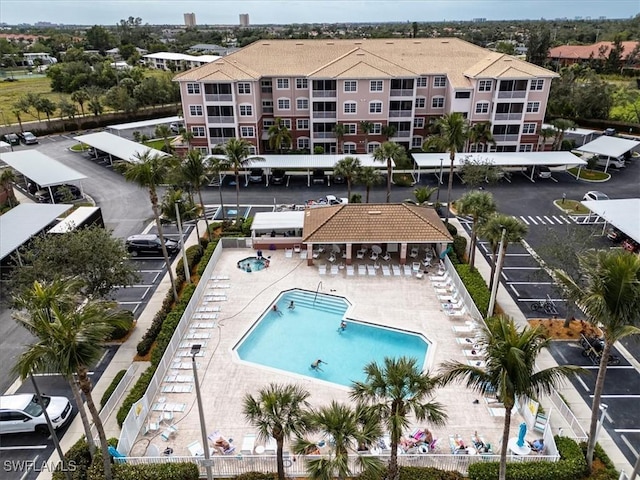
(335, 248)
(376, 249)
(521, 433)
(446, 252)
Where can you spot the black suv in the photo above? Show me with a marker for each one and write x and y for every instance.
(11, 139)
(61, 193)
(149, 244)
(277, 176)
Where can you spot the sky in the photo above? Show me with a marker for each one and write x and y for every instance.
(101, 12)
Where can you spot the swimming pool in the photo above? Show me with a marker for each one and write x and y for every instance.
(253, 264)
(291, 340)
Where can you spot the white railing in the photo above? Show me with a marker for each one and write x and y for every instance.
(400, 113)
(509, 116)
(220, 119)
(225, 466)
(137, 416)
(324, 93)
(577, 432)
(462, 291)
(401, 92)
(512, 93)
(324, 114)
(218, 97)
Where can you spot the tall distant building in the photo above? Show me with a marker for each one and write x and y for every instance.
(190, 19)
(244, 19)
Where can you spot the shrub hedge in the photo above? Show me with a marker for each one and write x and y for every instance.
(206, 256)
(135, 394)
(608, 472)
(151, 471)
(194, 254)
(257, 476)
(112, 386)
(476, 286)
(123, 328)
(414, 473)
(571, 466)
(79, 460)
(459, 246)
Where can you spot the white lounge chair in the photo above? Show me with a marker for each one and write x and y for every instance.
(297, 248)
(362, 270)
(322, 269)
(371, 270)
(332, 257)
(248, 444)
(407, 270)
(386, 257)
(151, 427)
(169, 433)
(195, 449)
(350, 271)
(415, 267)
(288, 252)
(316, 253)
(396, 270)
(374, 256)
(386, 271)
(334, 269)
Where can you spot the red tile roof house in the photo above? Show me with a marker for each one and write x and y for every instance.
(570, 54)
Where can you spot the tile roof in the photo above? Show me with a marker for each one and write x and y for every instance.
(374, 223)
(363, 58)
(583, 52)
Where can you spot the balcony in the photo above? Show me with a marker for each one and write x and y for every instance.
(403, 133)
(505, 137)
(267, 109)
(324, 114)
(509, 116)
(400, 113)
(324, 135)
(218, 97)
(512, 94)
(219, 140)
(219, 119)
(266, 89)
(324, 93)
(401, 92)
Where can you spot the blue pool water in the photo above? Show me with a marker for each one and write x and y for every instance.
(292, 340)
(254, 264)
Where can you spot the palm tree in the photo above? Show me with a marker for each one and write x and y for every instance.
(80, 97)
(193, 169)
(491, 229)
(423, 194)
(187, 136)
(279, 412)
(7, 179)
(561, 126)
(388, 131)
(481, 133)
(149, 171)
(237, 157)
(389, 152)
(346, 427)
(452, 133)
(279, 135)
(510, 371)
(609, 294)
(546, 133)
(69, 341)
(366, 127)
(369, 177)
(479, 205)
(349, 168)
(164, 132)
(394, 390)
(216, 166)
(339, 130)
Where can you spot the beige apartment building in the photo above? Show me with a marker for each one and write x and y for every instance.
(313, 85)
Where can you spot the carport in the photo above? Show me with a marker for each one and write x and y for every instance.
(123, 127)
(41, 169)
(621, 213)
(439, 162)
(610, 147)
(579, 135)
(21, 223)
(118, 147)
(308, 163)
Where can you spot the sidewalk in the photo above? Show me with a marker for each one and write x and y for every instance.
(578, 406)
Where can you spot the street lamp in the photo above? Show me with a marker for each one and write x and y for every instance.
(195, 350)
(496, 276)
(603, 409)
(185, 264)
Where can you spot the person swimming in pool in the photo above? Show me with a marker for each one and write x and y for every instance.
(343, 326)
(292, 305)
(316, 365)
(276, 309)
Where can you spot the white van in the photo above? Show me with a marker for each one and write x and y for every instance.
(613, 161)
(22, 413)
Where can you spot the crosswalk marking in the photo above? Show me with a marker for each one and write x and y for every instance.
(546, 220)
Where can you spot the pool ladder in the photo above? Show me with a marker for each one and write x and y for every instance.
(316, 295)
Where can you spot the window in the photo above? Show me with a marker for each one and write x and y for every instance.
(244, 88)
(350, 107)
(485, 85)
(195, 110)
(375, 86)
(246, 110)
(526, 147)
(437, 102)
(252, 150)
(350, 86)
(349, 147)
(302, 124)
(203, 150)
(372, 146)
(282, 83)
(375, 107)
(529, 129)
(376, 129)
(265, 86)
(303, 143)
(286, 123)
(302, 103)
(421, 82)
(302, 83)
(267, 106)
(198, 131)
(247, 132)
(418, 123)
(350, 128)
(482, 107)
(421, 102)
(537, 84)
(193, 89)
(533, 107)
(439, 82)
(416, 142)
(463, 94)
(284, 104)
(268, 122)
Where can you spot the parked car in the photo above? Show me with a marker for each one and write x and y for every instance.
(539, 172)
(595, 195)
(318, 176)
(28, 138)
(612, 161)
(149, 244)
(11, 139)
(256, 175)
(277, 176)
(61, 193)
(610, 132)
(175, 127)
(22, 413)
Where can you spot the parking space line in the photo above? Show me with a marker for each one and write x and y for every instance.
(515, 292)
(149, 271)
(618, 396)
(138, 286)
(531, 283)
(145, 294)
(517, 255)
(25, 474)
(129, 303)
(626, 430)
(584, 385)
(24, 447)
(521, 268)
(628, 443)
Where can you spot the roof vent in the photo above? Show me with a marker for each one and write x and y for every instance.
(357, 43)
(299, 43)
(444, 41)
(389, 43)
(330, 43)
(374, 212)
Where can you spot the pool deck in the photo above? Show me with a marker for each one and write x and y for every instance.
(396, 301)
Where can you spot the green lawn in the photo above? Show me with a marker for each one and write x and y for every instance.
(586, 174)
(10, 93)
(157, 144)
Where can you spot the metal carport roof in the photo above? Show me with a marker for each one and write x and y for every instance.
(609, 146)
(624, 214)
(145, 123)
(501, 159)
(268, 221)
(42, 169)
(21, 223)
(312, 161)
(117, 147)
